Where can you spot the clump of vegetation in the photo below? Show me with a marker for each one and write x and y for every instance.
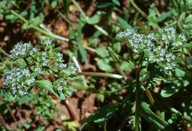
(95, 65)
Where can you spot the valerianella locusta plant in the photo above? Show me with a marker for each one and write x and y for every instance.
(160, 48)
(33, 64)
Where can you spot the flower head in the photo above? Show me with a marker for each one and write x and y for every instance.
(19, 81)
(158, 49)
(20, 50)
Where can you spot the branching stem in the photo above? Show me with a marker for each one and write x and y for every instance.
(34, 26)
(137, 99)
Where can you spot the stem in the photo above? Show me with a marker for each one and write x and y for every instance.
(116, 64)
(138, 9)
(4, 123)
(89, 48)
(152, 101)
(9, 108)
(70, 109)
(101, 74)
(79, 70)
(1, 50)
(101, 30)
(85, 17)
(33, 26)
(20, 117)
(137, 99)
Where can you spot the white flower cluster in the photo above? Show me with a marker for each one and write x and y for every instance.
(20, 80)
(33, 51)
(47, 42)
(67, 70)
(20, 50)
(159, 48)
(40, 60)
(45, 59)
(61, 85)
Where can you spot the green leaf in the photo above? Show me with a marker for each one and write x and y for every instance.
(105, 5)
(39, 19)
(164, 16)
(104, 64)
(54, 3)
(81, 49)
(117, 57)
(24, 13)
(25, 99)
(179, 73)
(152, 118)
(169, 91)
(102, 52)
(127, 66)
(102, 115)
(187, 45)
(116, 2)
(48, 85)
(124, 24)
(117, 47)
(94, 19)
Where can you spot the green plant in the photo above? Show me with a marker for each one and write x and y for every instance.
(28, 67)
(139, 79)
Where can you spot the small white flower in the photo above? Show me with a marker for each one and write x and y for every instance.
(62, 65)
(20, 50)
(59, 88)
(44, 54)
(173, 64)
(30, 81)
(183, 38)
(168, 60)
(161, 59)
(47, 42)
(45, 63)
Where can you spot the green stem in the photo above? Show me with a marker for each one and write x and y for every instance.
(1, 50)
(33, 26)
(116, 64)
(85, 17)
(137, 99)
(138, 9)
(101, 74)
(152, 101)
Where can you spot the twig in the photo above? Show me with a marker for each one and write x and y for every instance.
(4, 123)
(79, 69)
(71, 110)
(20, 116)
(9, 108)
